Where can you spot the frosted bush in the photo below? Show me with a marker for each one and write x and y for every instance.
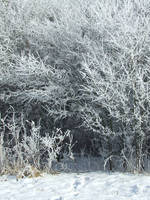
(117, 71)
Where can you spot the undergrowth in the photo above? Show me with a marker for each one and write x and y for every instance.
(21, 149)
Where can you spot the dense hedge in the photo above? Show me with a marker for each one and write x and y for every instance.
(83, 66)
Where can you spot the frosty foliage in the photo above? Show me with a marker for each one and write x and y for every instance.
(83, 60)
(20, 148)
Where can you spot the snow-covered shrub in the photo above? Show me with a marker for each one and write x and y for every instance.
(117, 74)
(42, 57)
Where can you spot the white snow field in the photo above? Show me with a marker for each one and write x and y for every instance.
(77, 186)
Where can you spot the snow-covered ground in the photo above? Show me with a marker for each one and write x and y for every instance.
(77, 186)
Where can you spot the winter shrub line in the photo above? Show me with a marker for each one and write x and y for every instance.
(82, 66)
